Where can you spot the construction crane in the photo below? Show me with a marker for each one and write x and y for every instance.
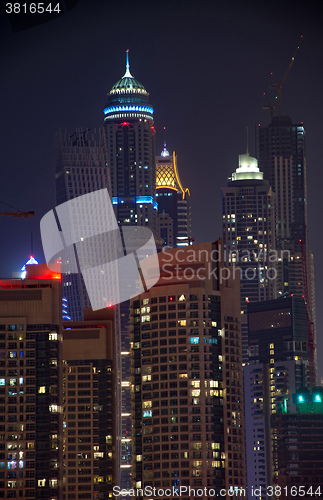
(17, 213)
(279, 86)
(310, 323)
(269, 106)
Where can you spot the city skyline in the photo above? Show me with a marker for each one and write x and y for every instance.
(205, 89)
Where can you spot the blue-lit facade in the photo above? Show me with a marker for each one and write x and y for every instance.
(130, 141)
(130, 138)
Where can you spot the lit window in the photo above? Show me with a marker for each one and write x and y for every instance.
(147, 404)
(42, 389)
(53, 336)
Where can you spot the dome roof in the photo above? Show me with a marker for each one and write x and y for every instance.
(128, 84)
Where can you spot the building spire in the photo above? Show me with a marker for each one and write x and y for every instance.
(165, 152)
(127, 73)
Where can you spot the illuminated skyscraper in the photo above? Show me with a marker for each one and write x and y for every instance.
(278, 367)
(281, 156)
(188, 420)
(31, 426)
(249, 234)
(174, 216)
(298, 446)
(130, 137)
(89, 406)
(130, 141)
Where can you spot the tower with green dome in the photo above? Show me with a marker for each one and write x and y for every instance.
(130, 136)
(130, 139)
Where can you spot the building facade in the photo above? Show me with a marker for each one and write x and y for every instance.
(89, 406)
(81, 168)
(130, 139)
(278, 367)
(31, 386)
(188, 422)
(174, 215)
(249, 235)
(281, 156)
(298, 446)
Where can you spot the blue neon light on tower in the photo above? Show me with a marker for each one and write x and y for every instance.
(130, 136)
(130, 140)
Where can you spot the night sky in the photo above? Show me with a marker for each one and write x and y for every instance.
(205, 65)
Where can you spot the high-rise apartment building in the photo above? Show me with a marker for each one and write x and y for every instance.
(281, 156)
(130, 138)
(249, 234)
(278, 367)
(174, 217)
(298, 446)
(89, 406)
(81, 168)
(31, 426)
(188, 421)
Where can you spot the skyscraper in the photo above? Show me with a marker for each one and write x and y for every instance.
(130, 142)
(174, 217)
(81, 168)
(31, 424)
(130, 138)
(249, 234)
(89, 403)
(298, 446)
(188, 422)
(281, 156)
(278, 367)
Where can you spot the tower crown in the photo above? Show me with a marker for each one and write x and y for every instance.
(128, 84)
(248, 169)
(128, 98)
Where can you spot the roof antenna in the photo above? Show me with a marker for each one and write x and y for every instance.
(31, 243)
(165, 152)
(247, 140)
(127, 73)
